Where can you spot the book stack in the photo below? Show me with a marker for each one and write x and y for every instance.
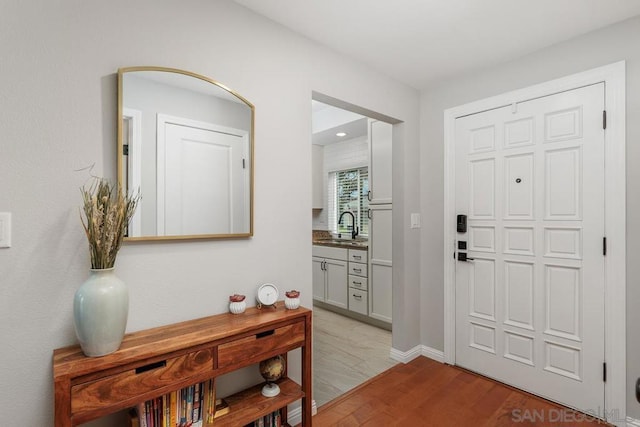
(191, 406)
(274, 419)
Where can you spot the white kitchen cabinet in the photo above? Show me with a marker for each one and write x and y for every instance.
(330, 275)
(380, 171)
(317, 177)
(358, 291)
(358, 301)
(380, 263)
(319, 280)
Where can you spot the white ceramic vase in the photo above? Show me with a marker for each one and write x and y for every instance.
(292, 303)
(237, 307)
(100, 310)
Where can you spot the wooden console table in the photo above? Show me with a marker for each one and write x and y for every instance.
(156, 361)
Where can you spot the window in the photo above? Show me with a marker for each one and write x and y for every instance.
(348, 192)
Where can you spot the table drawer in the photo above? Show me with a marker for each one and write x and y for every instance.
(139, 380)
(358, 282)
(358, 301)
(260, 346)
(358, 269)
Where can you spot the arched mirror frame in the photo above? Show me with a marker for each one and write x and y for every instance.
(120, 152)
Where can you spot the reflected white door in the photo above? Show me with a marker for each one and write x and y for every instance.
(201, 179)
(530, 304)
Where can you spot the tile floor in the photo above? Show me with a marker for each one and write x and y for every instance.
(346, 353)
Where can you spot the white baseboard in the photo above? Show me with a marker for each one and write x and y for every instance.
(432, 353)
(632, 422)
(419, 350)
(405, 356)
(295, 415)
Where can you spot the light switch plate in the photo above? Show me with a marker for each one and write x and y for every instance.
(5, 229)
(415, 220)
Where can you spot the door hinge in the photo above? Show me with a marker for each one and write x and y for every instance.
(604, 119)
(604, 246)
(604, 372)
(125, 149)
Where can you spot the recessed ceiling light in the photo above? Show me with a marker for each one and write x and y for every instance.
(341, 134)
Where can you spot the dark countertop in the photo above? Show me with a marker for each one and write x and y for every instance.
(324, 238)
(348, 244)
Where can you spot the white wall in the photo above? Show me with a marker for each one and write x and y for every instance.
(58, 115)
(618, 42)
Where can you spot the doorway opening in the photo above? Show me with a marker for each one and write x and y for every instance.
(352, 245)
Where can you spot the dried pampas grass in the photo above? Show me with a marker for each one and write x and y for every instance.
(107, 212)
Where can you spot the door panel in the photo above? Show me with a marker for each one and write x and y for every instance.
(318, 279)
(380, 172)
(337, 290)
(529, 303)
(380, 263)
(202, 184)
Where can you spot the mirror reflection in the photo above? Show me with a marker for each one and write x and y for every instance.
(186, 142)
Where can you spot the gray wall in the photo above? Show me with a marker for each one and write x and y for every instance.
(58, 115)
(612, 44)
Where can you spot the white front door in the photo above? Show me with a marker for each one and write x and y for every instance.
(530, 301)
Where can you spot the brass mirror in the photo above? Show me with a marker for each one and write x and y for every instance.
(186, 143)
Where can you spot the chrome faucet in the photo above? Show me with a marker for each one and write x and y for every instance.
(354, 229)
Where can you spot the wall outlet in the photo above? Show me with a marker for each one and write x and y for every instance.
(5, 229)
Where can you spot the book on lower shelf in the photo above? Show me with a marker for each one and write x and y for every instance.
(273, 419)
(190, 406)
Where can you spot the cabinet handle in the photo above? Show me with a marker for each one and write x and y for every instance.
(369, 195)
(356, 283)
(358, 297)
(357, 270)
(369, 214)
(151, 366)
(324, 265)
(265, 334)
(357, 256)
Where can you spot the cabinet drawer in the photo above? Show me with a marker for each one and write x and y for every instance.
(330, 252)
(358, 301)
(357, 255)
(358, 282)
(142, 379)
(260, 346)
(357, 269)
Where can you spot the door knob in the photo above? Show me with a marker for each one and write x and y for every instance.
(462, 256)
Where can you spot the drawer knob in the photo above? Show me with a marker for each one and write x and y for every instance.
(151, 366)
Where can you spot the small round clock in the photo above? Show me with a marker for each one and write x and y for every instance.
(267, 295)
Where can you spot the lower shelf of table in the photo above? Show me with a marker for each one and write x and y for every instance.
(249, 405)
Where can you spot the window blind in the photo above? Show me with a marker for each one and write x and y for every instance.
(348, 192)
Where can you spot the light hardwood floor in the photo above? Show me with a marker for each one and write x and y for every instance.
(346, 353)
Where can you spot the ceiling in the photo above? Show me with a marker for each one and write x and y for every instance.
(331, 124)
(420, 42)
